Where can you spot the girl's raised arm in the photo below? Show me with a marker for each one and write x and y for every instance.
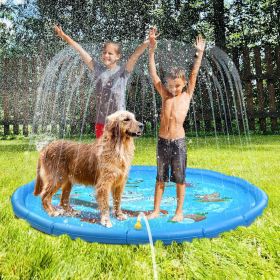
(84, 54)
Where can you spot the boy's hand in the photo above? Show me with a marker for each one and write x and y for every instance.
(200, 44)
(59, 32)
(152, 37)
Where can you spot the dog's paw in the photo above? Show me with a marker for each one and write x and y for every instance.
(121, 216)
(57, 212)
(72, 213)
(76, 213)
(105, 221)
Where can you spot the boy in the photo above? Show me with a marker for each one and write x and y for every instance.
(171, 149)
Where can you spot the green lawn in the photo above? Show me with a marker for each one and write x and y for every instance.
(246, 253)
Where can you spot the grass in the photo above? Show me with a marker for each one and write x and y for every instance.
(246, 253)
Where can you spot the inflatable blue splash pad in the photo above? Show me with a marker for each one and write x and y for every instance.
(214, 203)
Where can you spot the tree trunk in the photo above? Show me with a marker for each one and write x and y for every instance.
(219, 23)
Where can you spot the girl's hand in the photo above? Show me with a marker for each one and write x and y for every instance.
(200, 44)
(59, 32)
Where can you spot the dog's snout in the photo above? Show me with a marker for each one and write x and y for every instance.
(141, 126)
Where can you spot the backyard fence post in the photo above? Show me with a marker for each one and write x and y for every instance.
(15, 91)
(25, 94)
(260, 90)
(271, 89)
(6, 104)
(235, 58)
(248, 88)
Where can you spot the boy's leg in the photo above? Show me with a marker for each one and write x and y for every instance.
(159, 190)
(162, 174)
(178, 167)
(180, 189)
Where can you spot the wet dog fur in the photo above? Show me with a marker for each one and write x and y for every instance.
(104, 164)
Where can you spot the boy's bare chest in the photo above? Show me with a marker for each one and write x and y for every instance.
(178, 105)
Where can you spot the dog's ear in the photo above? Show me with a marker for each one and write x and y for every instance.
(116, 133)
(113, 127)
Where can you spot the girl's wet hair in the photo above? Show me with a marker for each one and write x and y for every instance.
(117, 45)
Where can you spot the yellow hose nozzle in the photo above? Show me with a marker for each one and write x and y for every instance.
(138, 225)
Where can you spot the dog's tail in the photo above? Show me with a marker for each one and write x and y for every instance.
(39, 183)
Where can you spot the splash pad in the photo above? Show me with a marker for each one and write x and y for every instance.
(214, 203)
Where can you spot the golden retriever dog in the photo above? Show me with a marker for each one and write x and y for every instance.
(104, 164)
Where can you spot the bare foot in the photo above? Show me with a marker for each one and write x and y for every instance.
(178, 218)
(153, 215)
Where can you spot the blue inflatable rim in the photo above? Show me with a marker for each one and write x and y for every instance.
(132, 236)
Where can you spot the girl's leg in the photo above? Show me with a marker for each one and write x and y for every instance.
(99, 129)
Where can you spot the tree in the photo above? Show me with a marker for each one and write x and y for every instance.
(253, 23)
(219, 23)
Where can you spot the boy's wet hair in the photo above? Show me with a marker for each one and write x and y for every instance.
(176, 72)
(117, 45)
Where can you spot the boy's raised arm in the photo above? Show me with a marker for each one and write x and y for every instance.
(152, 64)
(84, 55)
(200, 46)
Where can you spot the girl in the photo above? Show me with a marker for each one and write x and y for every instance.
(110, 78)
